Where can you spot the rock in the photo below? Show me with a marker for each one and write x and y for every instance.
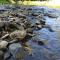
(18, 15)
(35, 14)
(29, 9)
(39, 27)
(42, 22)
(1, 23)
(40, 43)
(18, 34)
(30, 30)
(37, 22)
(17, 51)
(22, 16)
(40, 16)
(53, 15)
(41, 19)
(56, 25)
(3, 44)
(1, 55)
(7, 55)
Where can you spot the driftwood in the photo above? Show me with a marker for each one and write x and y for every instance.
(3, 37)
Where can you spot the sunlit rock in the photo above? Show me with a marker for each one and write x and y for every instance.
(3, 44)
(18, 34)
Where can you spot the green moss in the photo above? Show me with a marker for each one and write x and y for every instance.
(3, 1)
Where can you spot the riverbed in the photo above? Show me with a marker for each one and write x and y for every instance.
(50, 50)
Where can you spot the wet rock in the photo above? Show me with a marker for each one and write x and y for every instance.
(2, 9)
(17, 51)
(40, 16)
(3, 44)
(30, 30)
(18, 15)
(42, 22)
(40, 43)
(37, 22)
(41, 19)
(39, 27)
(7, 55)
(1, 55)
(29, 9)
(1, 23)
(35, 14)
(53, 15)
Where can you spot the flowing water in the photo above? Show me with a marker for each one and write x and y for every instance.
(51, 49)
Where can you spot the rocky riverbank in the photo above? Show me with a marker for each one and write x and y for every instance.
(29, 33)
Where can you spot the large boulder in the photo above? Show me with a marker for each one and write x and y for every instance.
(17, 51)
